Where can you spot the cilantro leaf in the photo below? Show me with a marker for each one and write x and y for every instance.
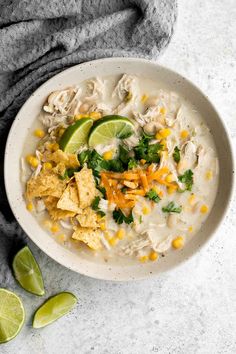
(95, 206)
(69, 172)
(132, 163)
(119, 217)
(146, 151)
(84, 156)
(102, 190)
(187, 179)
(95, 203)
(152, 195)
(176, 154)
(172, 208)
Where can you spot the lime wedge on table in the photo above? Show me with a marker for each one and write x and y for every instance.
(75, 135)
(27, 272)
(12, 315)
(110, 127)
(54, 308)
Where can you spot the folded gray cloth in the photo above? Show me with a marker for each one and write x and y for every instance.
(40, 38)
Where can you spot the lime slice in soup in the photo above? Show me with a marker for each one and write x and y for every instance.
(109, 127)
(75, 135)
(12, 315)
(27, 272)
(54, 308)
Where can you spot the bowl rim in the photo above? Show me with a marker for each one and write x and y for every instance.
(217, 225)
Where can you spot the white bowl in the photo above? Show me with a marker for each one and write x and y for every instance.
(26, 117)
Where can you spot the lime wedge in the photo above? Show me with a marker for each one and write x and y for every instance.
(27, 272)
(75, 135)
(110, 127)
(54, 308)
(12, 315)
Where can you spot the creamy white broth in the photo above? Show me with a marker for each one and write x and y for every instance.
(162, 228)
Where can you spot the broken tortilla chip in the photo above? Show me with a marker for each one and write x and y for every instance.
(69, 199)
(69, 160)
(46, 183)
(88, 218)
(86, 187)
(55, 213)
(60, 168)
(89, 236)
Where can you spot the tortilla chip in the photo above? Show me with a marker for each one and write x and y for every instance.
(46, 183)
(86, 187)
(54, 212)
(89, 236)
(60, 168)
(69, 199)
(69, 160)
(88, 218)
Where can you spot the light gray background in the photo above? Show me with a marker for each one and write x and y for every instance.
(193, 308)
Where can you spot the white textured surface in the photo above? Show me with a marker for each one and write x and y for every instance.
(192, 309)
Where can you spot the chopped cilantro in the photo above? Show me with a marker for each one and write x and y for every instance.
(102, 190)
(172, 208)
(95, 206)
(146, 151)
(124, 189)
(119, 217)
(152, 195)
(123, 154)
(187, 179)
(132, 163)
(69, 172)
(84, 156)
(140, 219)
(176, 154)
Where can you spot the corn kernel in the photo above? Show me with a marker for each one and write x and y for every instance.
(178, 242)
(143, 161)
(29, 206)
(209, 175)
(55, 147)
(204, 209)
(61, 132)
(61, 237)
(165, 132)
(47, 166)
(39, 133)
(153, 256)
(54, 228)
(143, 259)
(169, 178)
(32, 160)
(103, 226)
(108, 155)
(146, 210)
(163, 110)
(171, 189)
(120, 234)
(190, 229)
(158, 136)
(80, 116)
(95, 115)
(184, 134)
(107, 235)
(192, 199)
(144, 98)
(113, 241)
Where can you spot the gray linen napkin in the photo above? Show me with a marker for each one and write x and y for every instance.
(40, 38)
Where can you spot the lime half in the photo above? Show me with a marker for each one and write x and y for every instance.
(54, 308)
(12, 315)
(75, 135)
(110, 127)
(27, 272)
